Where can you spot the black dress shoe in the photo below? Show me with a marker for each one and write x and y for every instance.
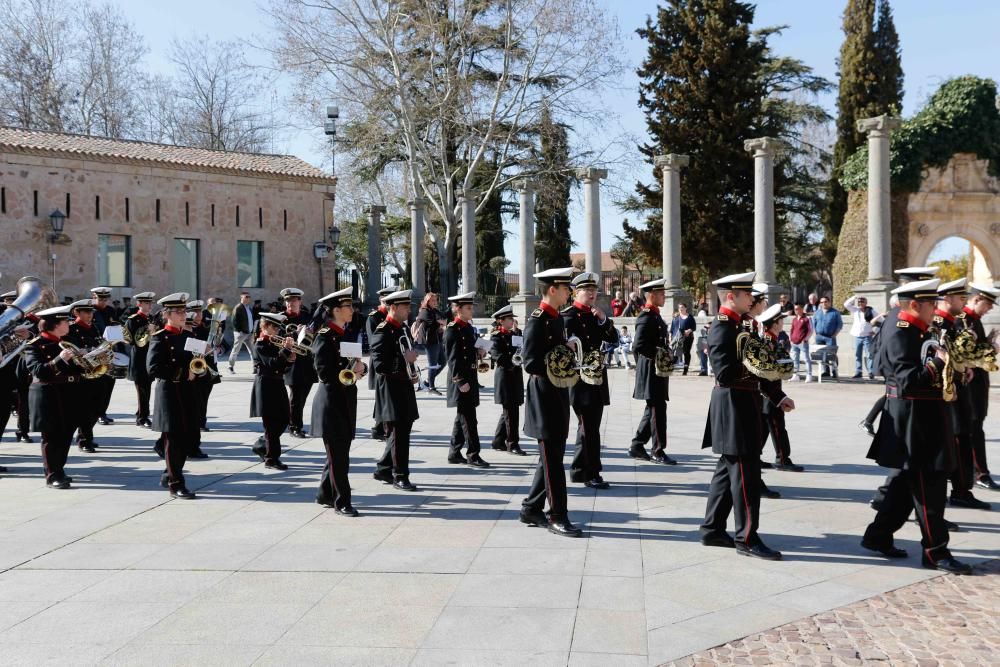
(875, 504)
(769, 493)
(346, 510)
(61, 483)
(788, 466)
(260, 450)
(299, 433)
(597, 483)
(661, 457)
(3, 469)
(564, 527)
(759, 550)
(24, 437)
(378, 434)
(159, 448)
(951, 526)
(856, 376)
(718, 540)
(165, 481)
(764, 465)
(384, 477)
(403, 484)
(105, 420)
(275, 465)
(204, 429)
(326, 501)
(867, 427)
(86, 447)
(477, 462)
(968, 500)
(702, 373)
(639, 453)
(182, 493)
(889, 551)
(533, 517)
(457, 458)
(148, 423)
(517, 451)
(500, 447)
(986, 482)
(948, 565)
(198, 454)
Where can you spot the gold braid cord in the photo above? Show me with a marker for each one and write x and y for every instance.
(560, 366)
(968, 352)
(663, 363)
(760, 359)
(592, 371)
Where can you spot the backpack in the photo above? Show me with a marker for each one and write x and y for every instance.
(418, 331)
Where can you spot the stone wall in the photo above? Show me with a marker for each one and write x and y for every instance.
(287, 214)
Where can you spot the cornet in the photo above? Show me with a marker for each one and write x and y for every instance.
(405, 346)
(279, 341)
(348, 377)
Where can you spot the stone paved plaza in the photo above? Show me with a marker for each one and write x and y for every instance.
(254, 572)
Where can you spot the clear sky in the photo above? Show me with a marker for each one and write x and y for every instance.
(939, 40)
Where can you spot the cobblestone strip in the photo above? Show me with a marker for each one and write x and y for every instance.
(946, 621)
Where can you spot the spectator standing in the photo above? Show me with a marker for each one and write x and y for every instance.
(787, 307)
(634, 306)
(861, 329)
(812, 305)
(827, 323)
(624, 349)
(432, 322)
(244, 321)
(703, 351)
(801, 326)
(683, 326)
(618, 304)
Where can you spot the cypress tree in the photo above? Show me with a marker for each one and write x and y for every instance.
(552, 239)
(888, 55)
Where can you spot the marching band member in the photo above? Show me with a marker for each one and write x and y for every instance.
(335, 405)
(137, 330)
(90, 392)
(508, 382)
(771, 322)
(593, 327)
(174, 398)
(749, 324)
(375, 318)
(651, 334)
(104, 316)
(546, 414)
(395, 398)
(463, 356)
(913, 435)
(203, 384)
(16, 374)
(981, 302)
(55, 408)
(301, 376)
(268, 398)
(732, 428)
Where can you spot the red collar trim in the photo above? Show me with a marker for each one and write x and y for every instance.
(502, 330)
(460, 322)
(289, 313)
(549, 309)
(393, 323)
(651, 308)
(83, 324)
(733, 316)
(945, 315)
(336, 328)
(170, 328)
(914, 320)
(771, 335)
(32, 317)
(383, 309)
(48, 335)
(971, 313)
(582, 308)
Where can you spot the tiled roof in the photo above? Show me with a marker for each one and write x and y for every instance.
(164, 155)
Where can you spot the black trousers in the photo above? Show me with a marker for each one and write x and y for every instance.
(297, 395)
(883, 489)
(206, 394)
(507, 431)
(8, 400)
(913, 490)
(735, 488)
(688, 342)
(653, 425)
(92, 396)
(23, 411)
(55, 451)
(142, 390)
(549, 481)
(977, 441)
(334, 485)
(464, 432)
(108, 387)
(962, 476)
(875, 411)
(774, 425)
(272, 438)
(175, 453)
(587, 459)
(396, 457)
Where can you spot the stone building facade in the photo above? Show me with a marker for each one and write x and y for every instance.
(142, 216)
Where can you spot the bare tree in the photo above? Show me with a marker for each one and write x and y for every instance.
(109, 73)
(35, 53)
(447, 89)
(216, 94)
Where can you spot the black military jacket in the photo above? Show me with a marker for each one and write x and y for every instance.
(103, 318)
(546, 408)
(581, 322)
(651, 332)
(979, 386)
(84, 337)
(375, 318)
(335, 405)
(175, 402)
(508, 380)
(915, 429)
(201, 333)
(733, 426)
(460, 348)
(136, 324)
(395, 398)
(302, 371)
(268, 399)
(53, 400)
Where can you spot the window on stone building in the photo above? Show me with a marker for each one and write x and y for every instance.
(36, 203)
(67, 205)
(157, 210)
(249, 263)
(237, 216)
(97, 207)
(114, 260)
(127, 212)
(187, 213)
(3, 200)
(260, 217)
(184, 267)
(285, 213)
(213, 215)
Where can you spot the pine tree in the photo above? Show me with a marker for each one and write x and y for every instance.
(552, 239)
(857, 98)
(889, 91)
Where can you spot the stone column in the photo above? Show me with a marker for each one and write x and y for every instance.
(526, 300)
(373, 282)
(591, 177)
(417, 205)
(670, 166)
(764, 150)
(467, 201)
(880, 280)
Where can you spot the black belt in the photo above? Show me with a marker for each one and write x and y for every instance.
(69, 379)
(893, 392)
(738, 387)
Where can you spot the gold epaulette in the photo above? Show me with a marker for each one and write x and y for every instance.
(722, 317)
(568, 308)
(902, 324)
(450, 324)
(938, 319)
(322, 331)
(537, 312)
(381, 325)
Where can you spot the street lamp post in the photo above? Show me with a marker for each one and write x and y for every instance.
(58, 221)
(334, 232)
(330, 130)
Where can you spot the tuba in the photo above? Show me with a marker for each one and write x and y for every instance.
(761, 359)
(93, 363)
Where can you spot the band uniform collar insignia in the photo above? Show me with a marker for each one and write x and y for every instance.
(48, 335)
(548, 309)
(170, 328)
(969, 312)
(393, 323)
(727, 314)
(906, 319)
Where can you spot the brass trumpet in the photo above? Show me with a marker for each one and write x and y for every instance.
(94, 363)
(279, 341)
(348, 377)
(198, 365)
